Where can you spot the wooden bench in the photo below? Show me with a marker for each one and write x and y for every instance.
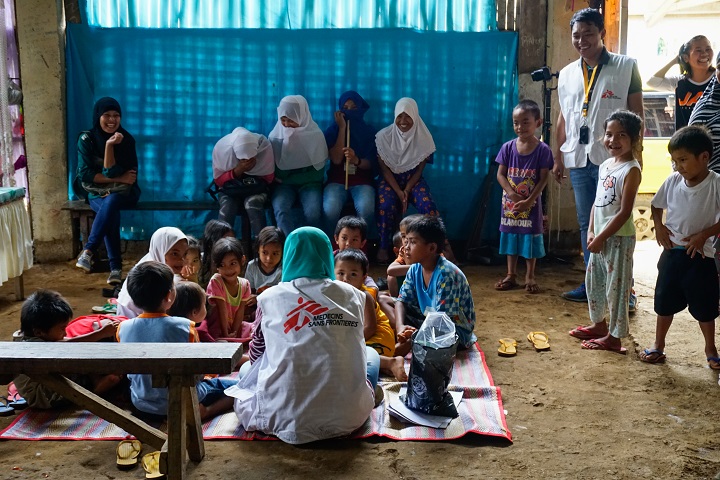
(171, 365)
(82, 215)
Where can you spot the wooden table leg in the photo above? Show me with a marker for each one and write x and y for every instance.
(102, 408)
(172, 455)
(195, 442)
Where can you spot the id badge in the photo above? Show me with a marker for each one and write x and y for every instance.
(584, 135)
(351, 169)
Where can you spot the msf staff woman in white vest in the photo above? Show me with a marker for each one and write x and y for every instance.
(589, 90)
(312, 377)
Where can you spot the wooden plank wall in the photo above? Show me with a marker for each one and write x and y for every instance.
(506, 10)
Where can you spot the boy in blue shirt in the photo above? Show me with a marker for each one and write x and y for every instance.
(151, 287)
(433, 283)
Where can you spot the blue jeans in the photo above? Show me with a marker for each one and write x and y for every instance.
(372, 359)
(107, 224)
(584, 182)
(211, 390)
(334, 198)
(283, 198)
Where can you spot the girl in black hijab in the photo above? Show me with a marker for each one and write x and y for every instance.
(107, 173)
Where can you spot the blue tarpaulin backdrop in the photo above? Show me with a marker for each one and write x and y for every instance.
(183, 89)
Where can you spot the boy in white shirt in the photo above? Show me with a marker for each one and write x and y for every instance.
(687, 276)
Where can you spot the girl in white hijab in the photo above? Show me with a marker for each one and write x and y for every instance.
(167, 245)
(300, 155)
(237, 159)
(404, 148)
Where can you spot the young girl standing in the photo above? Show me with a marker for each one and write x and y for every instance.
(403, 149)
(228, 292)
(611, 237)
(523, 174)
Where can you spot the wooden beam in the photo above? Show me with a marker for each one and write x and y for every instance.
(532, 27)
(103, 358)
(612, 25)
(102, 408)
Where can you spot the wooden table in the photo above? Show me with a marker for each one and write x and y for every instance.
(171, 364)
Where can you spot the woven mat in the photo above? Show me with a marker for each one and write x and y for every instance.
(481, 413)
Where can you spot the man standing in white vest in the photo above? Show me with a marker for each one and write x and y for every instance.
(589, 90)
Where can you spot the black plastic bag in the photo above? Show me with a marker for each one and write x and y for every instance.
(433, 352)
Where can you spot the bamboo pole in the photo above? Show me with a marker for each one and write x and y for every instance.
(347, 145)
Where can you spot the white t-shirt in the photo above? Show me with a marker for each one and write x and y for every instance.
(608, 196)
(690, 209)
(258, 279)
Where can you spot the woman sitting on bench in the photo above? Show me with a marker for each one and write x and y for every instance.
(107, 177)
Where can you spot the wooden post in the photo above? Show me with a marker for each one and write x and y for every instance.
(347, 145)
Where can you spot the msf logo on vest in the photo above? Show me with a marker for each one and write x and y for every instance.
(303, 314)
(610, 94)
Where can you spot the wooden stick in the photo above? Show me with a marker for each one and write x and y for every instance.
(347, 145)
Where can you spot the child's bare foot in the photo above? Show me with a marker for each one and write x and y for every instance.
(397, 367)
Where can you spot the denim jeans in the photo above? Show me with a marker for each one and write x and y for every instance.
(334, 198)
(584, 182)
(107, 224)
(283, 198)
(253, 212)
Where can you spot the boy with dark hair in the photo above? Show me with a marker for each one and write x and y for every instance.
(351, 266)
(687, 276)
(351, 232)
(44, 317)
(151, 287)
(433, 283)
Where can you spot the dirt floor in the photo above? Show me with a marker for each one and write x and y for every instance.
(572, 413)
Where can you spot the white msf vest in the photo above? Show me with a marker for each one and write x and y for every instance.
(310, 384)
(610, 93)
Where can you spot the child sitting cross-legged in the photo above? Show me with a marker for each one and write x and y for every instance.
(43, 318)
(151, 287)
(396, 270)
(351, 267)
(351, 232)
(433, 283)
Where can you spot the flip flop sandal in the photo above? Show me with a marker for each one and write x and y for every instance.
(504, 285)
(5, 409)
(17, 402)
(151, 465)
(107, 309)
(128, 452)
(597, 344)
(652, 355)
(583, 333)
(540, 340)
(507, 347)
(713, 363)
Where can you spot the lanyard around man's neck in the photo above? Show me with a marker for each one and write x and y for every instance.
(589, 85)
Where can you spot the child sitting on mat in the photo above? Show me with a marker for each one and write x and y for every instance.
(43, 318)
(433, 283)
(351, 266)
(265, 270)
(397, 270)
(191, 261)
(214, 231)
(228, 293)
(151, 287)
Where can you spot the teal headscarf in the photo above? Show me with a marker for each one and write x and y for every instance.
(307, 254)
